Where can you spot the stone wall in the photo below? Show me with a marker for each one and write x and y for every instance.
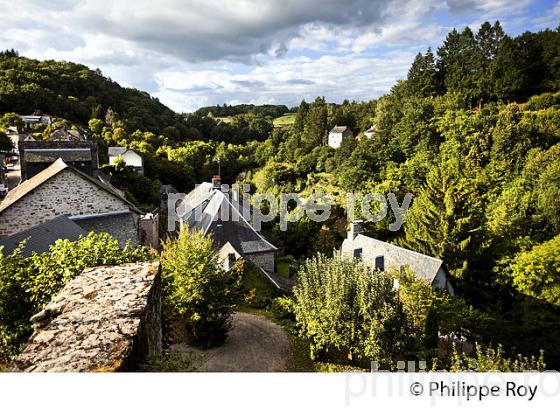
(264, 260)
(106, 319)
(148, 228)
(64, 194)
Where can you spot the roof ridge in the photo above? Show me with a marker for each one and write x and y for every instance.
(400, 247)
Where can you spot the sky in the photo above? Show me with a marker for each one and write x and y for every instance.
(195, 53)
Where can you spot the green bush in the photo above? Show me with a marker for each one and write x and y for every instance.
(344, 306)
(488, 359)
(197, 292)
(282, 307)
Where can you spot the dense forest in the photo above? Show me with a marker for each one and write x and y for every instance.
(473, 133)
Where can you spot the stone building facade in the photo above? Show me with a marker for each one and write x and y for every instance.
(45, 196)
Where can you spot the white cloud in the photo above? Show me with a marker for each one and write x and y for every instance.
(197, 52)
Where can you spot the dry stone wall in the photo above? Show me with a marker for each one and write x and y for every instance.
(106, 319)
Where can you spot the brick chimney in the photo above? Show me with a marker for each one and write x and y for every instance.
(216, 182)
(356, 228)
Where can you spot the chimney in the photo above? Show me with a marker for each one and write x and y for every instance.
(216, 182)
(356, 228)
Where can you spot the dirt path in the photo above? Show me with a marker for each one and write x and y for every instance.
(254, 344)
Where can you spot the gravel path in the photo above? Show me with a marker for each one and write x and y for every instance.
(254, 344)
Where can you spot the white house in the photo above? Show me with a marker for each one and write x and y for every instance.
(382, 255)
(129, 156)
(337, 134)
(370, 132)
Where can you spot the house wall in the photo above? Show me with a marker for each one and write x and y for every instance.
(264, 260)
(129, 158)
(64, 194)
(335, 139)
(148, 229)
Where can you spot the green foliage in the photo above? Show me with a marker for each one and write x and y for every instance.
(172, 362)
(445, 218)
(27, 284)
(138, 189)
(74, 92)
(488, 359)
(197, 292)
(536, 272)
(342, 305)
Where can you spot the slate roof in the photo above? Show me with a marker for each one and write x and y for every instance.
(423, 266)
(41, 237)
(55, 168)
(339, 129)
(205, 207)
(120, 225)
(52, 154)
(116, 151)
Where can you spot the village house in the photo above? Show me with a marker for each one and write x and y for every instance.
(370, 132)
(338, 134)
(129, 156)
(383, 256)
(61, 190)
(35, 156)
(208, 209)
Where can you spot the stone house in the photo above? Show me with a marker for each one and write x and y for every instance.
(209, 209)
(382, 256)
(35, 156)
(61, 189)
(338, 134)
(129, 156)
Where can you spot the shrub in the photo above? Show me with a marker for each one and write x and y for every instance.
(342, 305)
(488, 359)
(197, 292)
(282, 307)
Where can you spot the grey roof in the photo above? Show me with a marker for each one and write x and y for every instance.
(339, 128)
(41, 237)
(423, 266)
(116, 151)
(55, 168)
(120, 225)
(205, 207)
(52, 154)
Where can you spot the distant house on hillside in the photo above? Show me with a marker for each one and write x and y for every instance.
(382, 255)
(31, 120)
(60, 190)
(35, 156)
(66, 134)
(338, 134)
(204, 209)
(129, 156)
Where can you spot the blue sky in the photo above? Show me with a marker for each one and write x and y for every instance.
(203, 52)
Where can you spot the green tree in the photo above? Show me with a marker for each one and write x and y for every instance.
(445, 220)
(197, 292)
(341, 305)
(535, 272)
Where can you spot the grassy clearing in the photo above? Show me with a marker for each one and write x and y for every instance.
(285, 120)
(224, 119)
